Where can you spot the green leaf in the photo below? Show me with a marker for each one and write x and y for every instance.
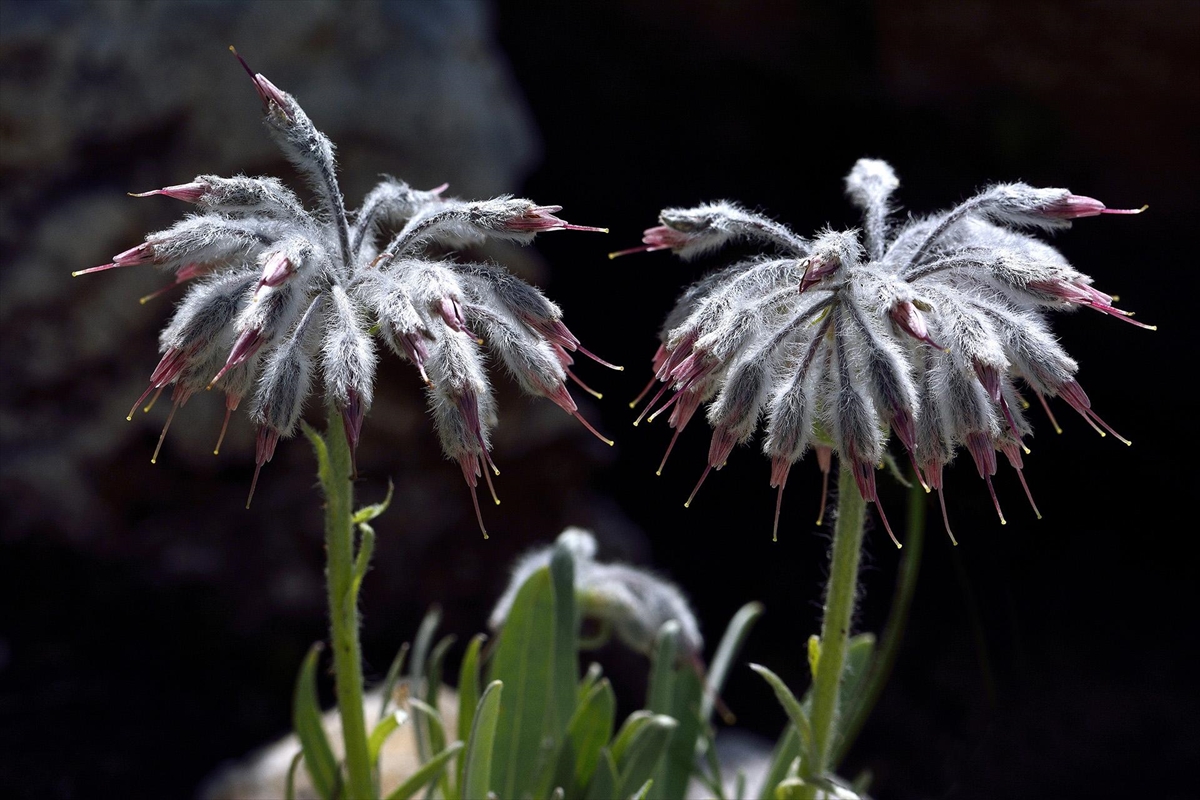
(426, 774)
(854, 675)
(289, 786)
(796, 714)
(604, 781)
(814, 654)
(589, 730)
(416, 676)
(731, 644)
(524, 662)
(389, 682)
(433, 719)
(433, 684)
(629, 728)
(643, 753)
(368, 513)
(306, 717)
(787, 751)
(566, 640)
(644, 792)
(382, 731)
(468, 690)
(671, 779)
(589, 680)
(660, 692)
(477, 766)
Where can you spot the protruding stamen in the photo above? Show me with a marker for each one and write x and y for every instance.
(650, 405)
(1045, 405)
(224, 426)
(824, 495)
(487, 476)
(643, 393)
(644, 248)
(595, 432)
(778, 506)
(1029, 494)
(584, 386)
(995, 500)
(478, 513)
(146, 408)
(100, 268)
(1125, 210)
(166, 427)
(1090, 415)
(946, 518)
(138, 402)
(598, 359)
(675, 397)
(699, 483)
(157, 293)
(886, 525)
(253, 483)
(667, 454)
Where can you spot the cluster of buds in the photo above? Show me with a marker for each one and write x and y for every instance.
(922, 328)
(285, 294)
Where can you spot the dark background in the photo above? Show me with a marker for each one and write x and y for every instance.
(150, 628)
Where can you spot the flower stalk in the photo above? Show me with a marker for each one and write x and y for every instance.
(835, 627)
(343, 603)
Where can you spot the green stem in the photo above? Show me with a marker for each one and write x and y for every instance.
(343, 608)
(835, 628)
(893, 632)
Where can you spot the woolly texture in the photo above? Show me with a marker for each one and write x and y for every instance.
(288, 294)
(923, 328)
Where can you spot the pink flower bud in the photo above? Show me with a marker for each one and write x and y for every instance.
(276, 271)
(1075, 206)
(187, 192)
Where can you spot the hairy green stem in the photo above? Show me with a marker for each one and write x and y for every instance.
(343, 608)
(835, 627)
(893, 632)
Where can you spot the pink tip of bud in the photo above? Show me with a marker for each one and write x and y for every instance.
(268, 92)
(1075, 206)
(818, 268)
(246, 346)
(912, 321)
(192, 269)
(142, 254)
(720, 447)
(187, 192)
(437, 190)
(276, 271)
(982, 453)
(541, 218)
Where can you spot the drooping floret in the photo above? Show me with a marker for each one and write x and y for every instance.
(287, 297)
(922, 329)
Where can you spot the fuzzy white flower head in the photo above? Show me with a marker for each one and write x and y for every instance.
(286, 295)
(922, 328)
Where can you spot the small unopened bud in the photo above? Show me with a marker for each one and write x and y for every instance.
(537, 219)
(912, 321)
(277, 270)
(1075, 206)
(187, 192)
(268, 92)
(818, 268)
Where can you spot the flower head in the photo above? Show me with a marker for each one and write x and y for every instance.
(286, 297)
(923, 329)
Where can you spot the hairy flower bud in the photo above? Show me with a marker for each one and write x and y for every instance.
(923, 328)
